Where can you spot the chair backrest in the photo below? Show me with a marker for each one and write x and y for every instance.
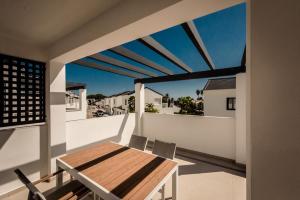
(164, 149)
(34, 193)
(138, 142)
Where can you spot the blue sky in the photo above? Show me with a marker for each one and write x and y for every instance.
(223, 33)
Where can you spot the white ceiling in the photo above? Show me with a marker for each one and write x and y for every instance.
(42, 22)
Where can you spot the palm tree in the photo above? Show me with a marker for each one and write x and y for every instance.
(165, 98)
(198, 92)
(131, 104)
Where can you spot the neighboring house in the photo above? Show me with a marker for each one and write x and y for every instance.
(72, 100)
(91, 101)
(118, 103)
(219, 97)
(76, 103)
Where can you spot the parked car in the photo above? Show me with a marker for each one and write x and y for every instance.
(100, 113)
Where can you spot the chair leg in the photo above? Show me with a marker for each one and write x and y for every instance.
(97, 197)
(163, 192)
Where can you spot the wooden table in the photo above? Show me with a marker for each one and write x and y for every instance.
(114, 171)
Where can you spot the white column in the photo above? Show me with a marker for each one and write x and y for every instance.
(56, 112)
(139, 107)
(240, 119)
(83, 102)
(111, 105)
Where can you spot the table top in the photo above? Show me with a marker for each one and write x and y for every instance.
(125, 172)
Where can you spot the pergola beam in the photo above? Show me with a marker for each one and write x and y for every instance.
(121, 64)
(105, 68)
(140, 59)
(194, 75)
(195, 37)
(158, 48)
(243, 62)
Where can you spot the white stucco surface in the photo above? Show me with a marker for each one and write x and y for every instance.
(19, 148)
(211, 135)
(240, 117)
(118, 128)
(215, 102)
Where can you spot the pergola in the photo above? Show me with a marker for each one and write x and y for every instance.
(130, 62)
(141, 75)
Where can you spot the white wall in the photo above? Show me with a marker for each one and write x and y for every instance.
(56, 111)
(118, 128)
(169, 110)
(21, 148)
(211, 135)
(72, 115)
(275, 99)
(151, 97)
(215, 102)
(240, 117)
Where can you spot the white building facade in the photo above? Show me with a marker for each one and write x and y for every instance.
(220, 97)
(76, 104)
(118, 103)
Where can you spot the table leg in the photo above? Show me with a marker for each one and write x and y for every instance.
(175, 185)
(59, 177)
(163, 192)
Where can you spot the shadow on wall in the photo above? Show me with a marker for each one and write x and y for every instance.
(4, 136)
(30, 167)
(116, 138)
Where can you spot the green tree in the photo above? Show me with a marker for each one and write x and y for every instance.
(150, 108)
(165, 98)
(186, 105)
(172, 100)
(131, 104)
(198, 93)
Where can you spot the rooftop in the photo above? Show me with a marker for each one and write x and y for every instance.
(220, 84)
(132, 92)
(75, 86)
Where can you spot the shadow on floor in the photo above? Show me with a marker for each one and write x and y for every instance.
(198, 167)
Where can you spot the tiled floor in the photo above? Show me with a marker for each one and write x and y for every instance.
(197, 180)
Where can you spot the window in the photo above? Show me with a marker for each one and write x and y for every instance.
(231, 103)
(125, 102)
(22, 91)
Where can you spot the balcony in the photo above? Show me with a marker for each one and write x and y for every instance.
(211, 174)
(42, 37)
